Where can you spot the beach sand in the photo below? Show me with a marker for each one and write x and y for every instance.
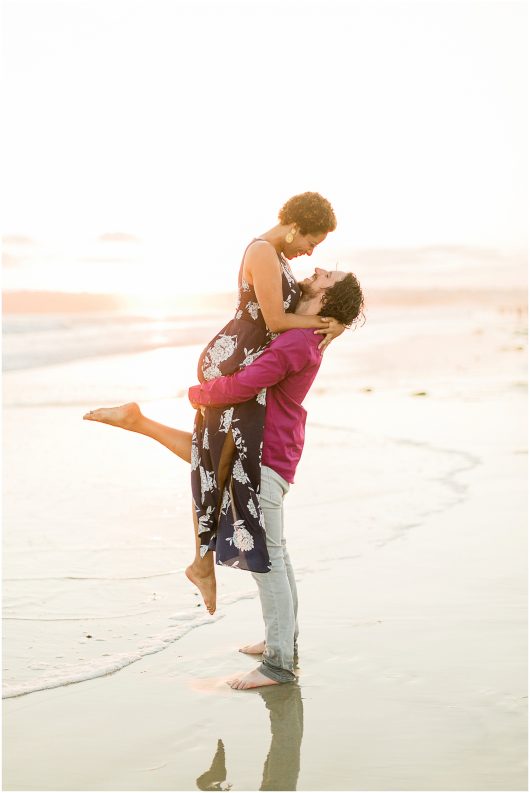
(407, 530)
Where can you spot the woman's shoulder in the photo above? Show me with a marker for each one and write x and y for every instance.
(260, 250)
(260, 259)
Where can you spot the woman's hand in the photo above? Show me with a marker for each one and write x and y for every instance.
(334, 329)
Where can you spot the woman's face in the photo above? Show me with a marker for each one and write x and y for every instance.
(303, 244)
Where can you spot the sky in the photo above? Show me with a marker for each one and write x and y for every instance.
(147, 141)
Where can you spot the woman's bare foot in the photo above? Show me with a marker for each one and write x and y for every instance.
(253, 649)
(206, 584)
(252, 679)
(124, 416)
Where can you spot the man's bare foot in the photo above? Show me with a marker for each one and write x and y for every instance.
(252, 679)
(253, 649)
(124, 416)
(206, 584)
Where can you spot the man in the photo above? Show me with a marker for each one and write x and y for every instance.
(286, 369)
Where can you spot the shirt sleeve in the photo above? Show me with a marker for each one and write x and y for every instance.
(288, 353)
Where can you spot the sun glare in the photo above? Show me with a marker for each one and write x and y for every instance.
(157, 194)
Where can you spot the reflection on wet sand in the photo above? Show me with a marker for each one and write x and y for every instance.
(215, 777)
(282, 766)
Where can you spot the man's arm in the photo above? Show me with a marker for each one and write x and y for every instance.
(287, 353)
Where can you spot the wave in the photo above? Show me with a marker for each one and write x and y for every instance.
(109, 663)
(35, 341)
(102, 666)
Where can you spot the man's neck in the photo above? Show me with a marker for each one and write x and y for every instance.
(308, 305)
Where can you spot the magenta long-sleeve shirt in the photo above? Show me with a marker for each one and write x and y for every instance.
(286, 369)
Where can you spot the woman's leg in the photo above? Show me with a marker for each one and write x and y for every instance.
(201, 571)
(130, 417)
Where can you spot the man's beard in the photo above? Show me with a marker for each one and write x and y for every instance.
(308, 291)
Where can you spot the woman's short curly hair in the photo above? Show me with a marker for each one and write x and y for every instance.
(312, 213)
(344, 301)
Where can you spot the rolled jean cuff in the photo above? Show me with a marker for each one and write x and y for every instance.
(276, 673)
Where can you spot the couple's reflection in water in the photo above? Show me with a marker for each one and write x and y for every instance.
(282, 765)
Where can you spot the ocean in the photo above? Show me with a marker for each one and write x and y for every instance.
(36, 340)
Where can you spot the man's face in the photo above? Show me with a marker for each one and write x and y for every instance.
(321, 280)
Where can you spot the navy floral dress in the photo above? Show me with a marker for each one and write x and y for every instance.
(238, 535)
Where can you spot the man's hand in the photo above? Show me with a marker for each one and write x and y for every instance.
(334, 329)
(192, 396)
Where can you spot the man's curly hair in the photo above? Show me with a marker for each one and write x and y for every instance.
(312, 213)
(344, 301)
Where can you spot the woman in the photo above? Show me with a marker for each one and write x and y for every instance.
(228, 440)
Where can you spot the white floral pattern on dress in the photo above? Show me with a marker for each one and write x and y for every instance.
(244, 285)
(262, 397)
(226, 501)
(195, 458)
(242, 539)
(205, 441)
(239, 442)
(203, 521)
(250, 356)
(207, 481)
(226, 419)
(239, 474)
(222, 349)
(211, 372)
(252, 509)
(252, 308)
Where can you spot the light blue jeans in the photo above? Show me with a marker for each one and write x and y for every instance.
(277, 588)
